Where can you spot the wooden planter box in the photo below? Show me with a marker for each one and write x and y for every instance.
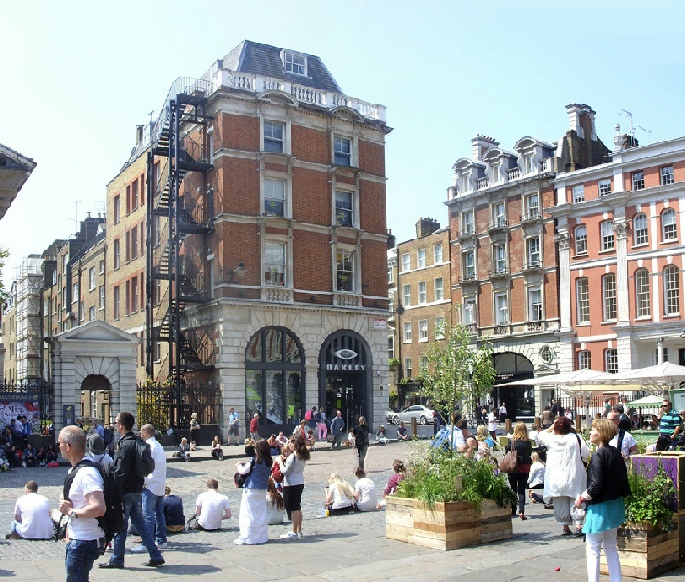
(644, 551)
(447, 526)
(495, 522)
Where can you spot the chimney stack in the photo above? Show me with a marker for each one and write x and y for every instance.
(139, 134)
(581, 117)
(426, 226)
(481, 144)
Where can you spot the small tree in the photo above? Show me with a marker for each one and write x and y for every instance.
(456, 372)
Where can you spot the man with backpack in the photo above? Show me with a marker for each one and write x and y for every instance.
(83, 502)
(132, 463)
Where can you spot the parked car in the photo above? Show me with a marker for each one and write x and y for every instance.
(390, 416)
(422, 414)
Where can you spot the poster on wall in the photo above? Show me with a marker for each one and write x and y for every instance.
(12, 409)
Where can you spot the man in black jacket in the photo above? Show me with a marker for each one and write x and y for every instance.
(124, 469)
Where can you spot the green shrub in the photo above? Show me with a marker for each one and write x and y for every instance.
(651, 500)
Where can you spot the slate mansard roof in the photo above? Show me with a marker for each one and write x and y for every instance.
(266, 60)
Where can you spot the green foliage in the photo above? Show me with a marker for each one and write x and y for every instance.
(456, 371)
(432, 477)
(393, 362)
(153, 405)
(651, 500)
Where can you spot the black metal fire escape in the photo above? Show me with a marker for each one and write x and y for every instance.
(179, 216)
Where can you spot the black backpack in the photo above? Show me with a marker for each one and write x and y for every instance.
(144, 464)
(113, 521)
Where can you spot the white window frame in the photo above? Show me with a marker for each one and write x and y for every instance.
(640, 231)
(348, 258)
(499, 257)
(533, 253)
(467, 222)
(532, 205)
(437, 254)
(582, 300)
(421, 258)
(275, 273)
(406, 295)
(671, 290)
(469, 264)
(468, 311)
(294, 63)
(501, 308)
(604, 187)
(638, 180)
(578, 193)
(391, 273)
(580, 236)
(609, 299)
(667, 176)
(669, 229)
(91, 313)
(406, 263)
(407, 368)
(439, 328)
(611, 361)
(423, 330)
(342, 213)
(438, 289)
(406, 332)
(91, 278)
(499, 214)
(340, 156)
(101, 297)
(584, 360)
(606, 230)
(642, 297)
(422, 292)
(269, 136)
(535, 307)
(271, 191)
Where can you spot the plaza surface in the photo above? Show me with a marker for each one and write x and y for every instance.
(337, 548)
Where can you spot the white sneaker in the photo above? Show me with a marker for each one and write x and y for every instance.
(238, 542)
(289, 536)
(139, 549)
(162, 545)
(300, 536)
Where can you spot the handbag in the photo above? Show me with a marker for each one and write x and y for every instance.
(240, 478)
(509, 463)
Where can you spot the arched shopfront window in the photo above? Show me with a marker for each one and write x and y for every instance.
(274, 377)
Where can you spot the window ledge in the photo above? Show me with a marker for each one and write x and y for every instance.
(423, 340)
(607, 251)
(669, 242)
(643, 318)
(584, 254)
(671, 315)
(609, 322)
(641, 245)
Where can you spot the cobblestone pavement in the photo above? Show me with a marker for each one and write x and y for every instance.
(336, 549)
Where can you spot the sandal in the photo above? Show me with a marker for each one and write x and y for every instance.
(566, 532)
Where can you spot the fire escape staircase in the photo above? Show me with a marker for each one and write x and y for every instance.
(188, 214)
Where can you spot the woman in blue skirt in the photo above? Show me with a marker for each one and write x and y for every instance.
(607, 485)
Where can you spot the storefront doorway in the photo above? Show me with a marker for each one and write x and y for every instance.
(519, 400)
(345, 379)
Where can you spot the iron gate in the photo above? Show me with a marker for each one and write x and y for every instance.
(37, 396)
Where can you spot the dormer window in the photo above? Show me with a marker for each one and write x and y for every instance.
(295, 63)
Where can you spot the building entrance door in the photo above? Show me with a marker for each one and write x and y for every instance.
(345, 393)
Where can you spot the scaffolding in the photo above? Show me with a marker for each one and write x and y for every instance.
(29, 319)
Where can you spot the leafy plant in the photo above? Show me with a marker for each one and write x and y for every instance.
(433, 475)
(651, 500)
(393, 362)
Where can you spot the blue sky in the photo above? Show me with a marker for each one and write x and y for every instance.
(77, 77)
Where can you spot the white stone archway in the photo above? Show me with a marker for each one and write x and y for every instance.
(95, 348)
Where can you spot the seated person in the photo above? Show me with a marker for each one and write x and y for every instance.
(184, 449)
(249, 447)
(274, 445)
(350, 439)
(310, 441)
(536, 478)
(391, 487)
(274, 504)
(663, 443)
(365, 492)
(339, 495)
(173, 512)
(281, 439)
(402, 432)
(211, 507)
(41, 457)
(50, 454)
(32, 519)
(193, 446)
(30, 455)
(484, 441)
(4, 462)
(381, 437)
(217, 451)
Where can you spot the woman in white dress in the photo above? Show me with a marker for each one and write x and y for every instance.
(565, 474)
(253, 521)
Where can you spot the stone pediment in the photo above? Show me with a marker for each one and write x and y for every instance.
(97, 331)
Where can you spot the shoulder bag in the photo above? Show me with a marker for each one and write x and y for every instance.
(509, 463)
